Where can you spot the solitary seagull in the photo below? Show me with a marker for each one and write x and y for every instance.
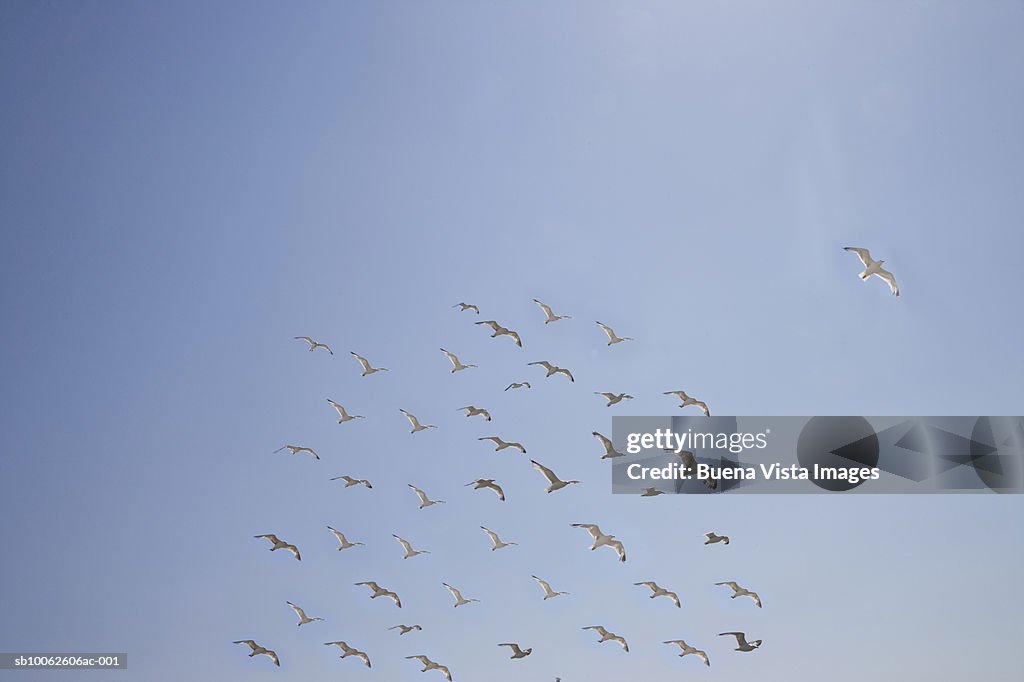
(342, 540)
(614, 398)
(651, 492)
(456, 363)
(687, 649)
(416, 426)
(502, 444)
(609, 449)
(459, 599)
(463, 307)
(259, 650)
(546, 586)
(367, 368)
(742, 592)
(602, 540)
(519, 384)
(313, 345)
(741, 641)
(498, 544)
(608, 636)
(551, 317)
(379, 591)
(502, 331)
(303, 618)
(874, 267)
(488, 483)
(405, 629)
(409, 551)
(553, 369)
(516, 651)
(278, 543)
(430, 665)
(687, 401)
(424, 500)
(612, 338)
(554, 483)
(690, 466)
(659, 591)
(350, 651)
(472, 411)
(296, 449)
(712, 538)
(345, 416)
(349, 481)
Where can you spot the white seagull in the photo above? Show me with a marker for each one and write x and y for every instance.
(687, 649)
(612, 338)
(607, 636)
(502, 331)
(345, 416)
(518, 384)
(472, 411)
(405, 629)
(554, 483)
(379, 591)
(553, 369)
(350, 651)
(741, 641)
(502, 444)
(459, 599)
(713, 538)
(424, 500)
(313, 345)
(463, 307)
(551, 317)
(874, 267)
(687, 401)
(546, 586)
(659, 591)
(690, 466)
(430, 665)
(367, 368)
(349, 481)
(456, 363)
(409, 551)
(416, 426)
(296, 449)
(517, 652)
(742, 592)
(614, 398)
(342, 540)
(609, 449)
(602, 540)
(278, 543)
(258, 650)
(488, 483)
(303, 618)
(498, 544)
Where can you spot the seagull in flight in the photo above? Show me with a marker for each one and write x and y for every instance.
(430, 665)
(498, 544)
(313, 345)
(609, 449)
(742, 592)
(342, 540)
(546, 586)
(519, 384)
(687, 649)
(741, 641)
(602, 540)
(472, 411)
(614, 398)
(303, 618)
(424, 500)
(554, 483)
(367, 367)
(463, 307)
(349, 481)
(612, 337)
(278, 543)
(459, 599)
(502, 444)
(488, 483)
(416, 426)
(713, 538)
(296, 449)
(517, 652)
(553, 369)
(551, 317)
(874, 267)
(405, 629)
(379, 591)
(690, 466)
(258, 650)
(456, 363)
(607, 636)
(409, 551)
(659, 591)
(350, 651)
(687, 401)
(502, 331)
(345, 416)
(651, 492)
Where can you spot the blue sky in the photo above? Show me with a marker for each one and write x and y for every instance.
(184, 188)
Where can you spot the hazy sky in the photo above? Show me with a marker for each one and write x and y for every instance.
(184, 187)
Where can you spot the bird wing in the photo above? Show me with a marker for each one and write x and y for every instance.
(591, 528)
(620, 548)
(298, 611)
(404, 543)
(269, 536)
(420, 494)
(362, 361)
(250, 643)
(548, 473)
(546, 308)
(890, 280)
(863, 254)
(492, 535)
(607, 330)
(497, 488)
(543, 583)
(733, 585)
(490, 323)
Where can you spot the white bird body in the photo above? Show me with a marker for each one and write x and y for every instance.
(367, 367)
(602, 540)
(424, 500)
(409, 551)
(517, 651)
(874, 267)
(687, 649)
(303, 618)
(472, 411)
(278, 543)
(350, 651)
(614, 398)
(741, 641)
(553, 369)
(607, 636)
(431, 665)
(345, 416)
(349, 481)
(379, 591)
(416, 426)
(551, 317)
(659, 591)
(488, 483)
(459, 599)
(738, 591)
(609, 448)
(258, 650)
(612, 337)
(502, 444)
(456, 363)
(554, 483)
(502, 331)
(313, 345)
(495, 540)
(342, 540)
(713, 538)
(546, 586)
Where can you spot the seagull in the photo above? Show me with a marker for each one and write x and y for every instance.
(687, 401)
(651, 492)
(313, 345)
(350, 651)
(602, 540)
(463, 307)
(516, 651)
(498, 544)
(405, 629)
(553, 369)
(659, 591)
(296, 449)
(741, 641)
(416, 426)
(609, 449)
(349, 481)
(409, 551)
(424, 500)
(502, 444)
(459, 599)
(690, 466)
(546, 586)
(488, 483)
(554, 483)
(742, 592)
(518, 384)
(608, 636)
(430, 665)
(502, 331)
(278, 543)
(367, 368)
(687, 649)
(551, 317)
(612, 338)
(712, 538)
(472, 411)
(303, 618)
(257, 650)
(456, 363)
(345, 416)
(342, 540)
(873, 267)
(379, 591)
(614, 398)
